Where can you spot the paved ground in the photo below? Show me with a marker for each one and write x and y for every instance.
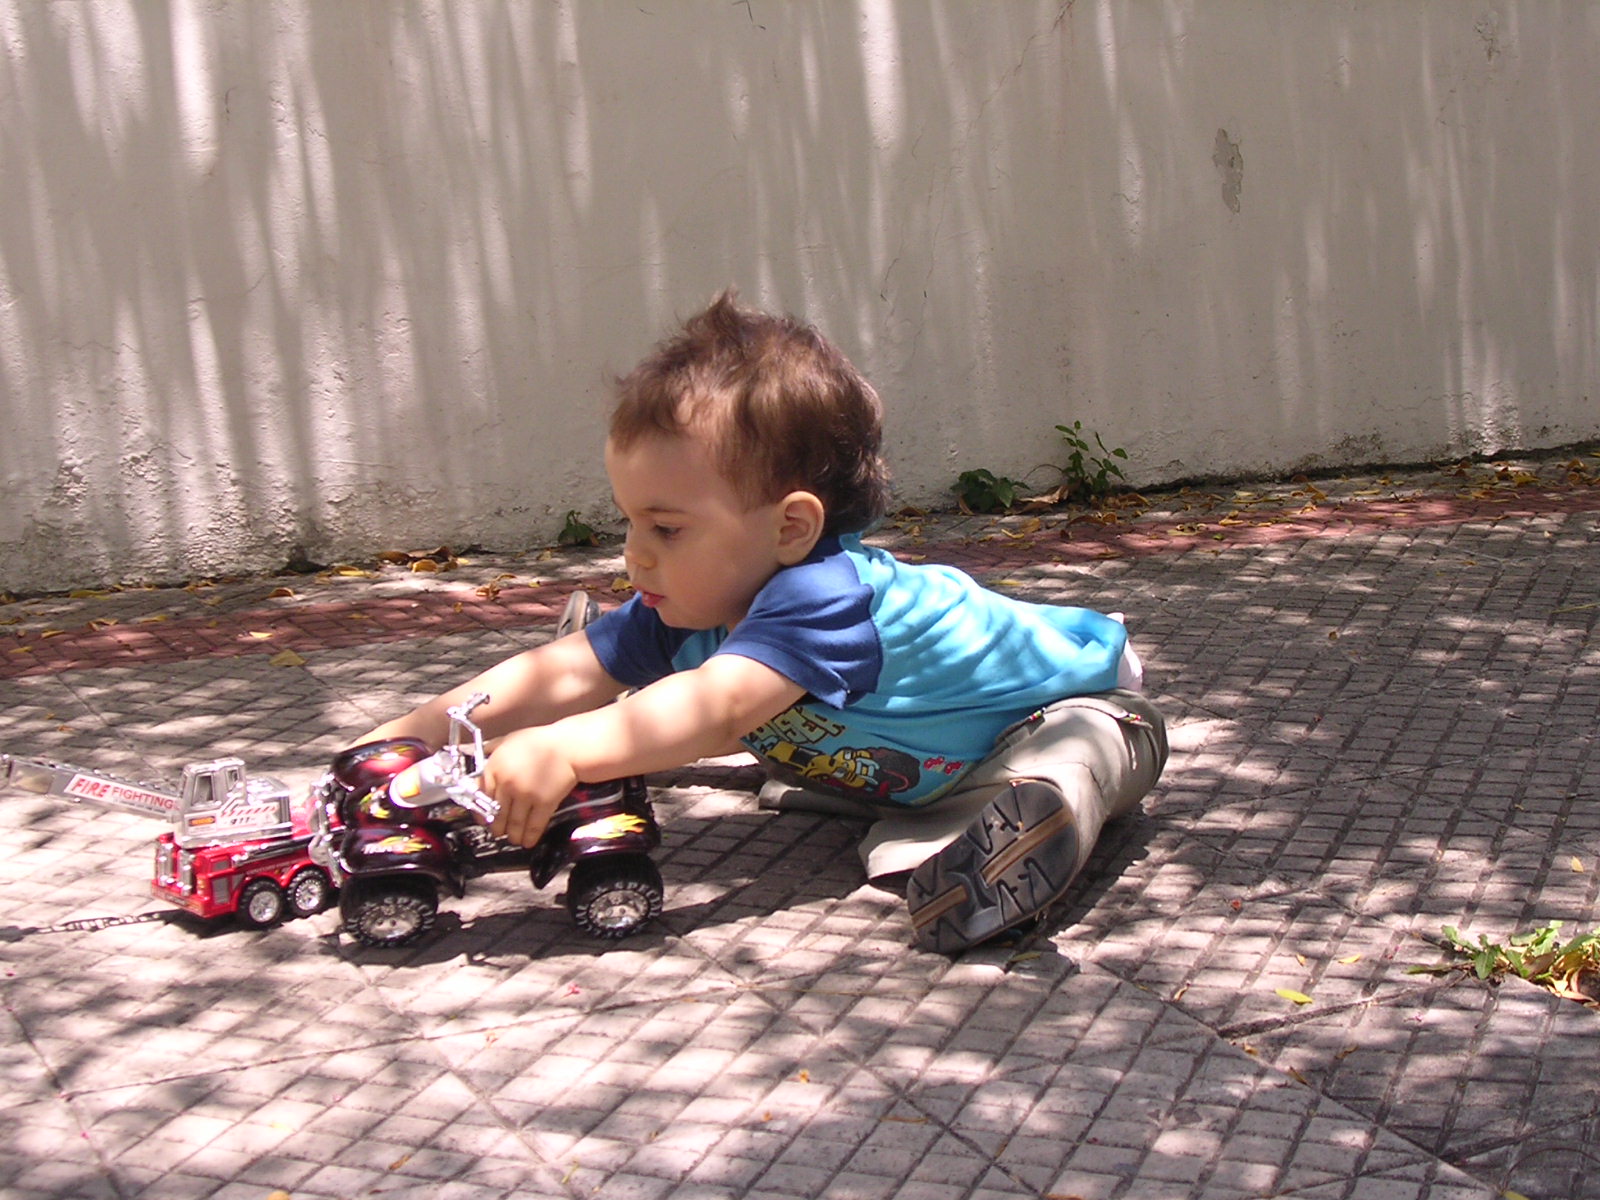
(1383, 697)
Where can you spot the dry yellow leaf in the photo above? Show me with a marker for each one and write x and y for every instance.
(1350, 958)
(259, 634)
(286, 658)
(621, 584)
(1293, 996)
(1577, 864)
(425, 564)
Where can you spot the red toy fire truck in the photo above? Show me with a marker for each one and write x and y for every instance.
(235, 846)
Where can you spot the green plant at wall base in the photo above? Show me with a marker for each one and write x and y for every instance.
(982, 491)
(1087, 474)
(574, 532)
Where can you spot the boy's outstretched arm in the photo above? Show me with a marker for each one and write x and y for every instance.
(532, 688)
(675, 720)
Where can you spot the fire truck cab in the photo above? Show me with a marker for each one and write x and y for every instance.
(236, 847)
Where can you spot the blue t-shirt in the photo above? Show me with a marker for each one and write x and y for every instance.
(912, 671)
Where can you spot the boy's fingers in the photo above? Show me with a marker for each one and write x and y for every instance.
(518, 820)
(521, 830)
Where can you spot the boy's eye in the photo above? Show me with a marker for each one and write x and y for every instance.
(666, 532)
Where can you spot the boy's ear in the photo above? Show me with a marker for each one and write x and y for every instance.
(800, 519)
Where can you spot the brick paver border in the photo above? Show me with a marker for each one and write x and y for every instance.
(306, 626)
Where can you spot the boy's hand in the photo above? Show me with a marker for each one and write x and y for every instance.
(528, 776)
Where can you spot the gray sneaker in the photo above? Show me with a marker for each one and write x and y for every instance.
(1018, 855)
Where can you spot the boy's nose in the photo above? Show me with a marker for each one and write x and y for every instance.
(632, 554)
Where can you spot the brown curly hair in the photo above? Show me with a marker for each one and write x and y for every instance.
(782, 408)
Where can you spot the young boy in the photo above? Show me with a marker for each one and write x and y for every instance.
(986, 738)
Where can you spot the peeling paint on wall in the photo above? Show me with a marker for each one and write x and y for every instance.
(1230, 165)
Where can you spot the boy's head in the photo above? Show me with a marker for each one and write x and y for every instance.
(776, 405)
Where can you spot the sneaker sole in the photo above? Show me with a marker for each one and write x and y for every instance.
(1011, 864)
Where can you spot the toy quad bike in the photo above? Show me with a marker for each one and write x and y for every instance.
(394, 823)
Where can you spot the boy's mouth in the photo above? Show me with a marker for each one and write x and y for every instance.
(649, 599)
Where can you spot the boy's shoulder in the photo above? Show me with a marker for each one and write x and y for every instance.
(844, 574)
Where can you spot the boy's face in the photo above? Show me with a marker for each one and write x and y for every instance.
(694, 552)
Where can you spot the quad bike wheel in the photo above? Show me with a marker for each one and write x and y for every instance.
(613, 895)
(309, 892)
(389, 912)
(261, 904)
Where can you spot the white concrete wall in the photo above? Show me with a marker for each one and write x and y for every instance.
(328, 278)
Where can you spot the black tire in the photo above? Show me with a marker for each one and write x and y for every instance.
(614, 895)
(309, 892)
(261, 904)
(390, 912)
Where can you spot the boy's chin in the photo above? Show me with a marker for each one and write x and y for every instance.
(687, 625)
(687, 622)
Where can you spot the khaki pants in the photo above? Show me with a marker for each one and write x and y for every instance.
(1104, 751)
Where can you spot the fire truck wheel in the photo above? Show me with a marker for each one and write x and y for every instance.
(261, 904)
(388, 913)
(613, 895)
(309, 892)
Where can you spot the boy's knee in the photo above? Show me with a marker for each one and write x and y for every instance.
(1120, 736)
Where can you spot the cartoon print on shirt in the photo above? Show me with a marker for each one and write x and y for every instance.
(790, 740)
